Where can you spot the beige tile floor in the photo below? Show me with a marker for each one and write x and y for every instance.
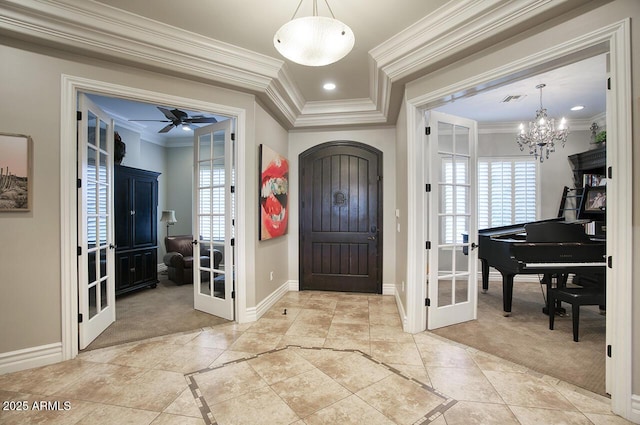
(333, 358)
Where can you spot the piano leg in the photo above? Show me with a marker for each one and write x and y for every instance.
(485, 275)
(507, 293)
(561, 282)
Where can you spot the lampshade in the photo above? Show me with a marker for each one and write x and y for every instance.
(169, 216)
(314, 40)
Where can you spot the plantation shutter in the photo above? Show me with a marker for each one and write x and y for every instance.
(214, 180)
(507, 191)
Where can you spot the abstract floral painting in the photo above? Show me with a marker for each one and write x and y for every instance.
(274, 193)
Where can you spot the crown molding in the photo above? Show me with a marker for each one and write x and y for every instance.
(104, 31)
(512, 127)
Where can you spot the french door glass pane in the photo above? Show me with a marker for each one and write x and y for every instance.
(93, 301)
(461, 140)
(104, 300)
(445, 137)
(91, 267)
(445, 292)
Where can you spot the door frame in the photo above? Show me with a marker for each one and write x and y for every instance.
(70, 87)
(379, 154)
(616, 40)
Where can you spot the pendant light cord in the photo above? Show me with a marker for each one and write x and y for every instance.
(315, 9)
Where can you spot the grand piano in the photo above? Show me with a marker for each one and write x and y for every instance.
(552, 248)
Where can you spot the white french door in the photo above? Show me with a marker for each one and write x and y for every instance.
(96, 283)
(451, 272)
(213, 208)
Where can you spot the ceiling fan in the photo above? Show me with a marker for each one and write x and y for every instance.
(178, 118)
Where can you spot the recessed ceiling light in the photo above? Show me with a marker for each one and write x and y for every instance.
(577, 108)
(329, 86)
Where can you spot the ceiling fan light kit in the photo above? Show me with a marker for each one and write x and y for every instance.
(177, 118)
(314, 40)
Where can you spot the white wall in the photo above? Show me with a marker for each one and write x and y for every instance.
(382, 139)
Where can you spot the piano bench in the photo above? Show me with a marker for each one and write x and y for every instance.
(576, 297)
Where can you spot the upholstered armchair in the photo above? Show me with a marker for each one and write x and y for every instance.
(179, 258)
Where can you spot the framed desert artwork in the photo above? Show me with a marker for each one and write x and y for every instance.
(274, 194)
(15, 172)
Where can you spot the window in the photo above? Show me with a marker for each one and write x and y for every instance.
(211, 188)
(507, 191)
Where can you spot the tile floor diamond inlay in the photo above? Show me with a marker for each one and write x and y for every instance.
(312, 383)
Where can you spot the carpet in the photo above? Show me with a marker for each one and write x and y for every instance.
(153, 312)
(525, 338)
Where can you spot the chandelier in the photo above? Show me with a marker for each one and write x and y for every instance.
(314, 40)
(541, 135)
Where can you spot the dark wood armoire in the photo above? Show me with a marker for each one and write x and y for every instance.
(136, 228)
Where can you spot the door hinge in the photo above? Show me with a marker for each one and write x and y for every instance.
(233, 136)
(610, 262)
(427, 302)
(233, 294)
(427, 187)
(427, 131)
(233, 241)
(233, 189)
(609, 173)
(79, 250)
(79, 115)
(79, 183)
(79, 317)
(609, 83)
(428, 245)
(609, 351)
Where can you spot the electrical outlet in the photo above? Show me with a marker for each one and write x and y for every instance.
(270, 275)
(403, 286)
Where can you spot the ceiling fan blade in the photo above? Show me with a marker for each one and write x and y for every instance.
(169, 114)
(166, 128)
(197, 120)
(153, 120)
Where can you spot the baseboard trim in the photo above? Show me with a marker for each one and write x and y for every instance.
(29, 358)
(388, 289)
(254, 313)
(401, 312)
(294, 285)
(635, 408)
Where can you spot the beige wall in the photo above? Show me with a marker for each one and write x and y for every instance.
(382, 139)
(401, 201)
(546, 36)
(30, 79)
(179, 189)
(271, 254)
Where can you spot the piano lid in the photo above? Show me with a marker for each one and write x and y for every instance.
(556, 231)
(513, 228)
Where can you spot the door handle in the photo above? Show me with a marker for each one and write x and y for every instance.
(372, 238)
(474, 245)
